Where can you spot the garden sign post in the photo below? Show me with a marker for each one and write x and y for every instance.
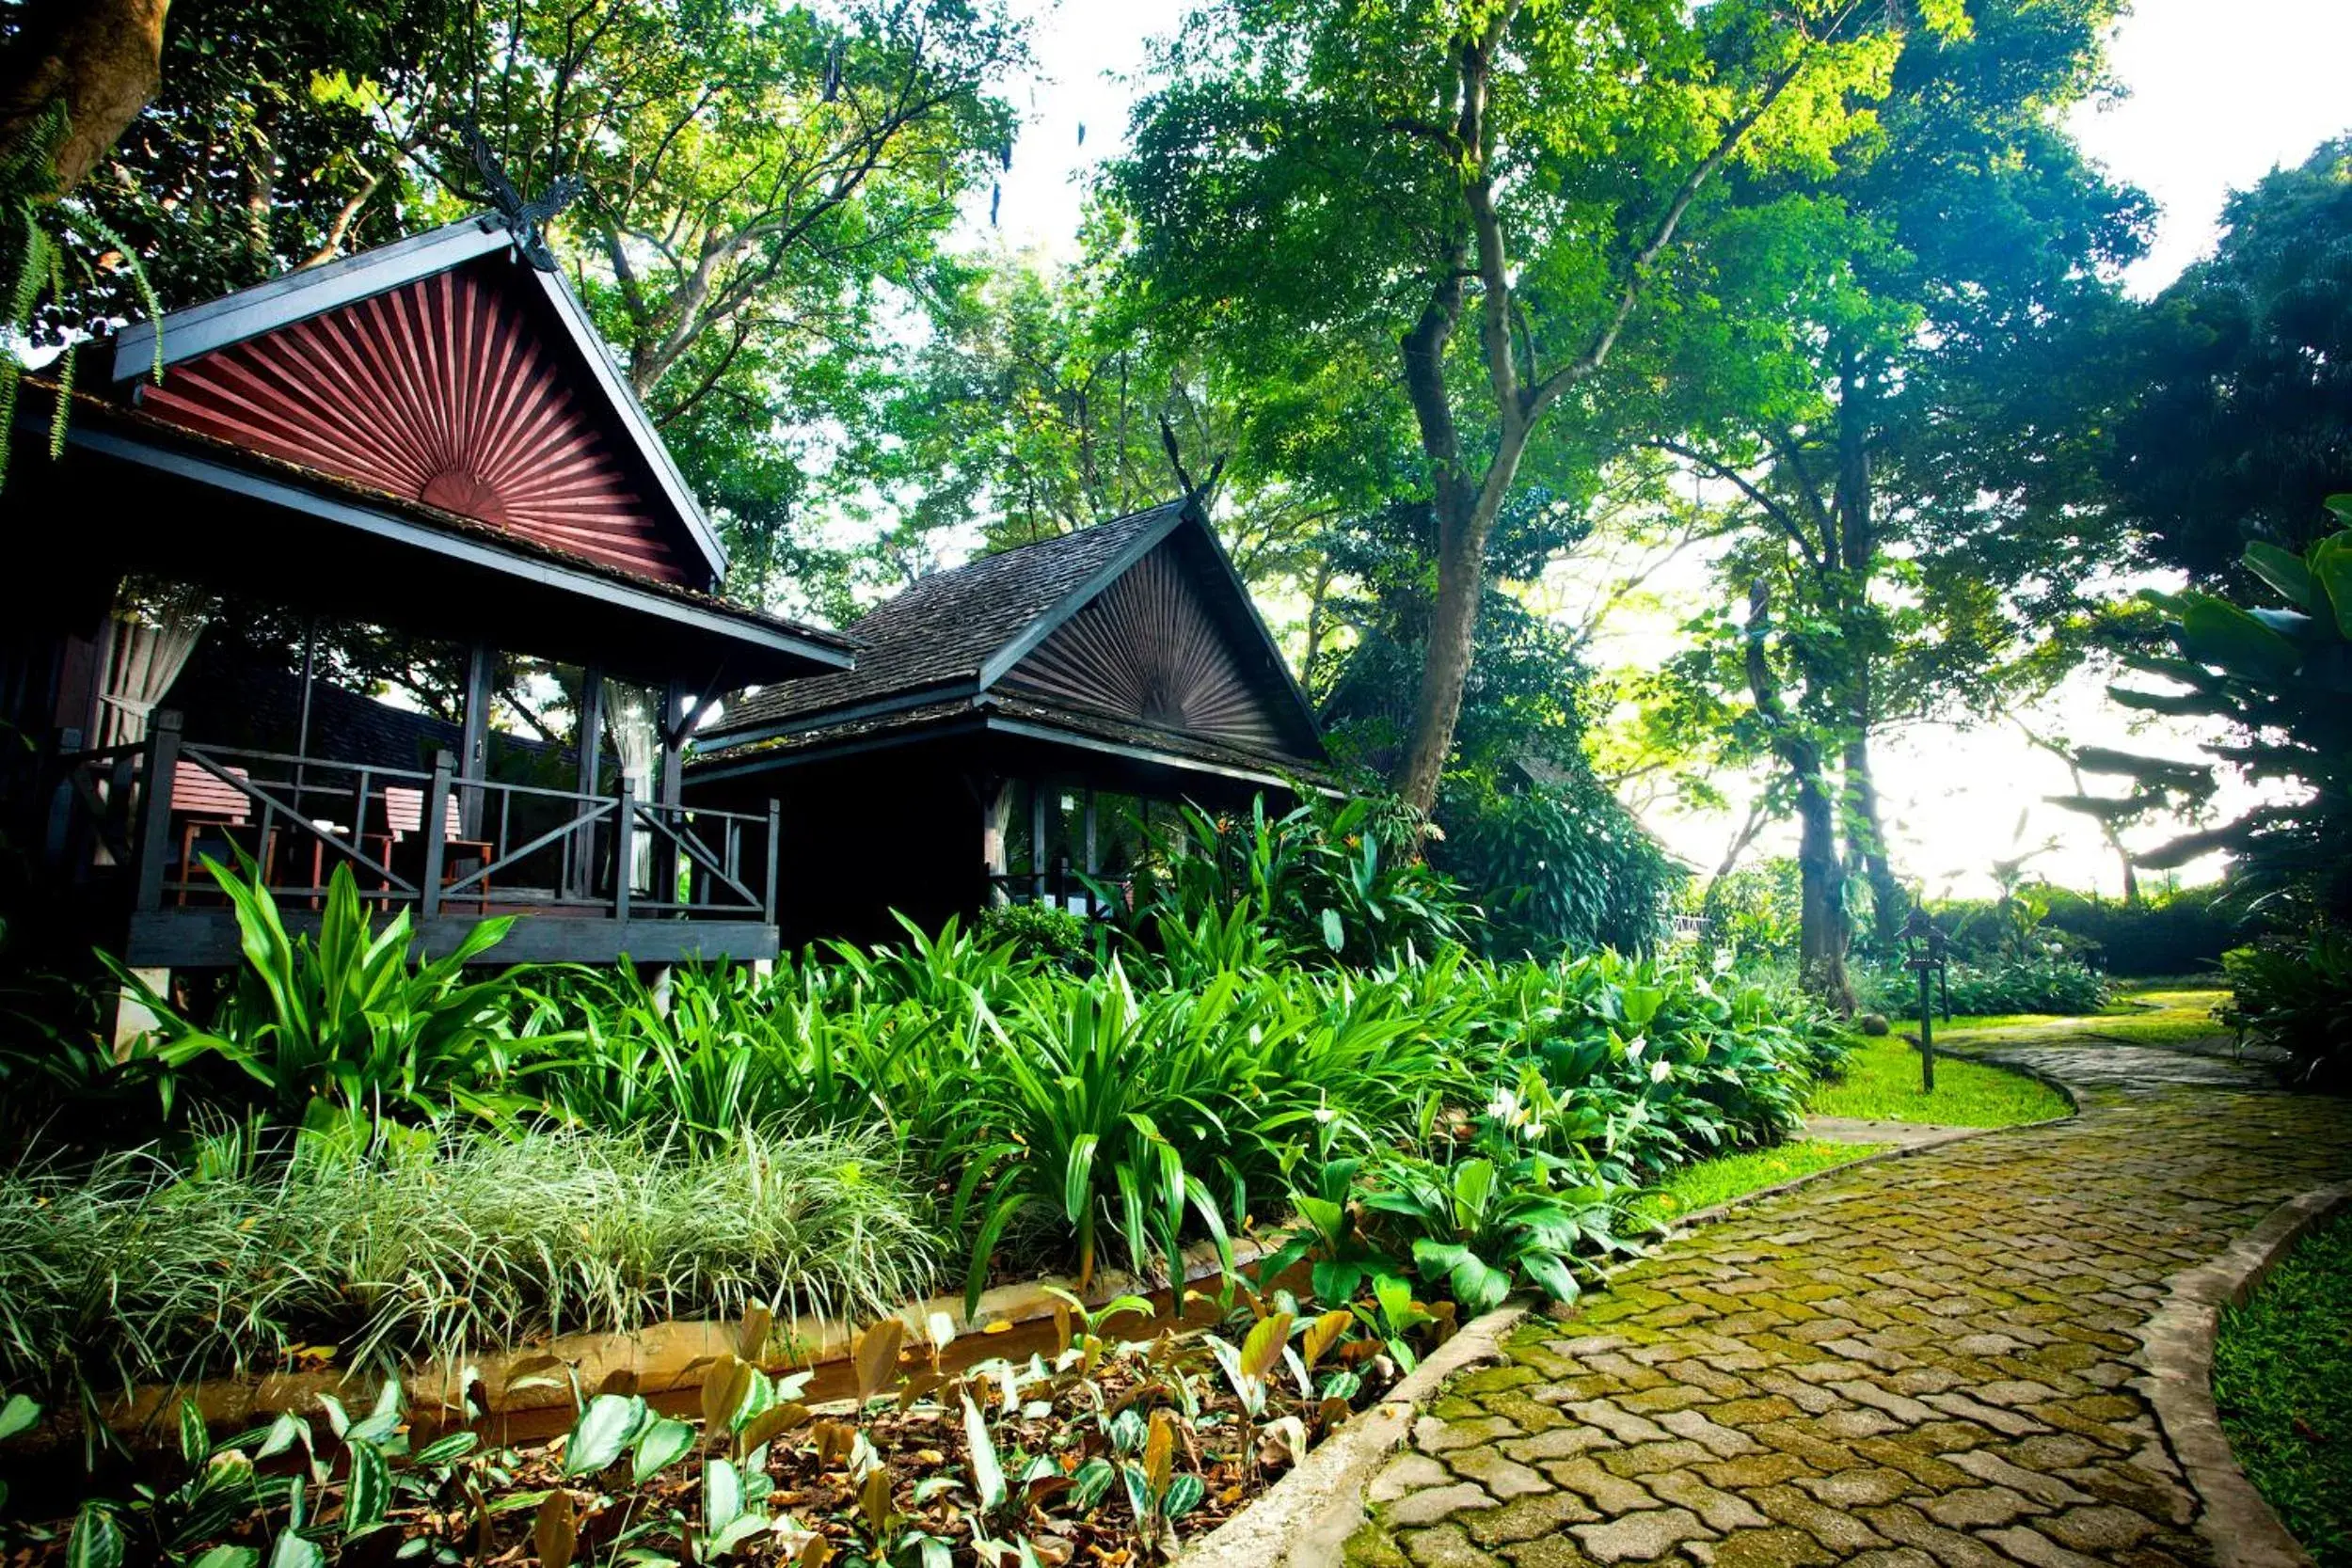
(1923, 949)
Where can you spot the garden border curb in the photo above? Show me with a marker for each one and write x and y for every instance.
(1304, 1519)
(2235, 1522)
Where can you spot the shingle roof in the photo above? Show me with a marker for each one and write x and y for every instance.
(942, 630)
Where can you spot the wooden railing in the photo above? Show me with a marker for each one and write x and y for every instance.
(426, 839)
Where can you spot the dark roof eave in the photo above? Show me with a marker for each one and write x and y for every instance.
(459, 540)
(888, 727)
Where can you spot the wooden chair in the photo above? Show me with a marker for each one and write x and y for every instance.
(404, 814)
(207, 805)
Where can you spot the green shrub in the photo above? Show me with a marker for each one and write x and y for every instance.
(135, 1268)
(1036, 931)
(2039, 984)
(347, 1018)
(2179, 931)
(1556, 868)
(2297, 997)
(1322, 884)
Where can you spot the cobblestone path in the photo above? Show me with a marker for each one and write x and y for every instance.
(1920, 1362)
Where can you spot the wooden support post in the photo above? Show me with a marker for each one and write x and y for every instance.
(669, 782)
(775, 846)
(995, 829)
(436, 826)
(473, 745)
(579, 861)
(154, 841)
(624, 846)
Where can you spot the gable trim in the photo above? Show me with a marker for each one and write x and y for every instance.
(298, 295)
(309, 291)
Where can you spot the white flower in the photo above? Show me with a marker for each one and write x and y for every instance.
(1658, 1069)
(1634, 1047)
(1505, 1108)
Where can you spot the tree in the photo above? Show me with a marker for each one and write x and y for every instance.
(2245, 428)
(281, 135)
(1917, 437)
(99, 59)
(768, 186)
(1045, 401)
(2279, 679)
(1327, 182)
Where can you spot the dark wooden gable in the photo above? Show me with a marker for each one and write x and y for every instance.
(455, 389)
(1162, 646)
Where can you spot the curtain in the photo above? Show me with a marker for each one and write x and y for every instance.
(156, 627)
(629, 720)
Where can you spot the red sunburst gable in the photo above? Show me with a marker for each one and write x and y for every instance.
(446, 390)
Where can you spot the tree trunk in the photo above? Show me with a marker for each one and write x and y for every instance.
(1446, 661)
(1821, 904)
(1822, 881)
(104, 58)
(1867, 833)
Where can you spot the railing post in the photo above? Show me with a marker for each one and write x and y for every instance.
(776, 832)
(436, 828)
(624, 846)
(154, 834)
(58, 838)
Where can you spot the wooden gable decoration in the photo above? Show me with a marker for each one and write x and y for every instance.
(1157, 647)
(453, 389)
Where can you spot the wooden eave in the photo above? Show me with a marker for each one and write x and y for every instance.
(747, 645)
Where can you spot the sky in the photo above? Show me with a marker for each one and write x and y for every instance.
(2216, 94)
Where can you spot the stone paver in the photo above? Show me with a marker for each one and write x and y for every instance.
(1923, 1363)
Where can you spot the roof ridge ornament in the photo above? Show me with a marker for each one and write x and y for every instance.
(524, 219)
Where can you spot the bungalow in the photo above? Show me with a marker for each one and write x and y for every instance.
(1012, 728)
(388, 571)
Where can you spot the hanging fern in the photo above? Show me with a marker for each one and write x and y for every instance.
(49, 251)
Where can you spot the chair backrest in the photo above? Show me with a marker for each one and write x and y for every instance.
(404, 812)
(199, 792)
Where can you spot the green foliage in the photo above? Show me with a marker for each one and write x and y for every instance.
(1556, 868)
(348, 1019)
(2243, 426)
(2170, 931)
(136, 1267)
(1320, 884)
(2041, 984)
(2276, 680)
(2296, 994)
(51, 252)
(1503, 1218)
(1054, 936)
(2282, 1381)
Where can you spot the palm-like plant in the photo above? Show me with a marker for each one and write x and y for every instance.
(349, 1018)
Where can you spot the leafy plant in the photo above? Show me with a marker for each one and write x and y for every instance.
(2297, 996)
(348, 1019)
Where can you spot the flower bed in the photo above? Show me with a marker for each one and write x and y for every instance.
(1106, 1445)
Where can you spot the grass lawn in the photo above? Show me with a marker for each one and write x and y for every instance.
(2283, 1378)
(1882, 1081)
(1712, 1181)
(2155, 1017)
